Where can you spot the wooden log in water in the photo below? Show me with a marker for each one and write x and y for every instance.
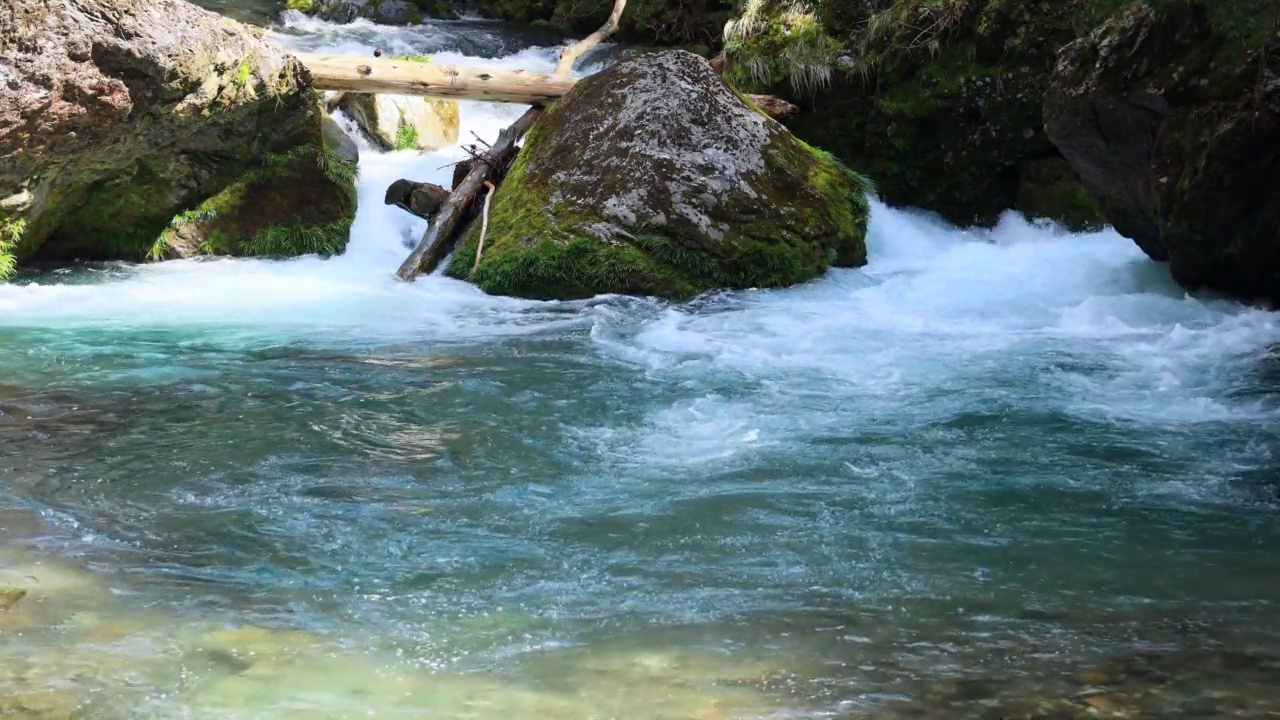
(350, 73)
(435, 243)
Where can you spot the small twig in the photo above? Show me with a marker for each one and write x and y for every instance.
(484, 225)
(481, 140)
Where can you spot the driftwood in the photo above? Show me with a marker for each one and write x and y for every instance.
(405, 77)
(435, 242)
(484, 225)
(582, 47)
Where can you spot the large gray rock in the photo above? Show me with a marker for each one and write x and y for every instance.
(117, 117)
(1174, 124)
(655, 178)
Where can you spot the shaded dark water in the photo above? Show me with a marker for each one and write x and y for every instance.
(1015, 474)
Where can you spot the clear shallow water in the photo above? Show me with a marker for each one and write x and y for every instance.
(990, 475)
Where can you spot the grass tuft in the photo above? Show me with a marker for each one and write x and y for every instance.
(782, 40)
(11, 231)
(406, 137)
(294, 240)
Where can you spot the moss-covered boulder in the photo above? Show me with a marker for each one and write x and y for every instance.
(655, 178)
(118, 115)
(1171, 115)
(403, 122)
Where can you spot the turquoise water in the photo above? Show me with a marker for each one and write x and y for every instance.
(993, 474)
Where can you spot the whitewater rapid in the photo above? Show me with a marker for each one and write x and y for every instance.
(934, 303)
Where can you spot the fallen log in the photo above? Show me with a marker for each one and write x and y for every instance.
(350, 73)
(435, 242)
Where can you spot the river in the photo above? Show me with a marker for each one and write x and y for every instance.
(994, 474)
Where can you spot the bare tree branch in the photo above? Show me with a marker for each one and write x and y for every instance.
(578, 49)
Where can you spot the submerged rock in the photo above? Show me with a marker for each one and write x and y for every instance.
(655, 178)
(1172, 118)
(403, 122)
(118, 115)
(10, 596)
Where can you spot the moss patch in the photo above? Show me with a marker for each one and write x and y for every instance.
(1050, 189)
(285, 207)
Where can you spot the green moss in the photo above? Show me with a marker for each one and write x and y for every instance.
(114, 219)
(243, 73)
(300, 5)
(846, 191)
(228, 223)
(406, 137)
(1050, 189)
(574, 268)
(415, 58)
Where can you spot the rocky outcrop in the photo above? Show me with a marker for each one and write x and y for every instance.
(655, 178)
(402, 122)
(939, 102)
(118, 117)
(1174, 123)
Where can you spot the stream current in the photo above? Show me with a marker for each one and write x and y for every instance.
(1005, 473)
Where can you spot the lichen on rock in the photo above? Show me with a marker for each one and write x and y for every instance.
(654, 178)
(118, 115)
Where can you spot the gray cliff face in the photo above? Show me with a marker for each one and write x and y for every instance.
(1175, 127)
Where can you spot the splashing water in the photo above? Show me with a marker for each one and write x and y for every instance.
(267, 489)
